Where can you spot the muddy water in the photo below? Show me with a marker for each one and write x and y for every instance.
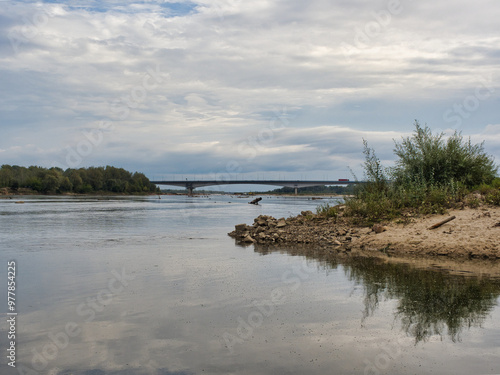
(149, 286)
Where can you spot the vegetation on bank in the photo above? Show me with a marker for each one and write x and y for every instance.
(80, 181)
(431, 174)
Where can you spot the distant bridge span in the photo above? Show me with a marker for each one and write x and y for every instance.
(192, 184)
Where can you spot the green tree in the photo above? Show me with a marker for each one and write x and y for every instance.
(50, 183)
(65, 185)
(34, 183)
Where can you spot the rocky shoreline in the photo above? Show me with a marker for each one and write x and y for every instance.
(305, 228)
(474, 233)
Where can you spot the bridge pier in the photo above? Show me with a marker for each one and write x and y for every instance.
(295, 190)
(190, 189)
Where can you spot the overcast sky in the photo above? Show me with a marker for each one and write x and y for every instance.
(263, 88)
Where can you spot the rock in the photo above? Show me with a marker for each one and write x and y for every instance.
(261, 221)
(377, 228)
(306, 213)
(248, 239)
(337, 243)
(281, 223)
(240, 227)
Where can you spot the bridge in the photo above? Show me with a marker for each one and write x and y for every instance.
(192, 184)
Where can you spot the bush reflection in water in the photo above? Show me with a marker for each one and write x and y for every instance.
(429, 302)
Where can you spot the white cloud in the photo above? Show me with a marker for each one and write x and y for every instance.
(228, 66)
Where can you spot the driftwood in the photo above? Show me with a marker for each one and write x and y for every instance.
(255, 201)
(437, 225)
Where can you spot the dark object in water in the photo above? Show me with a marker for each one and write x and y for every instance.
(255, 201)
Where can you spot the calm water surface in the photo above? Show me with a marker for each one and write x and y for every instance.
(149, 286)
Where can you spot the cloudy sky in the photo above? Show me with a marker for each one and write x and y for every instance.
(263, 88)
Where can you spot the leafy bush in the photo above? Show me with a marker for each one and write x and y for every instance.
(431, 175)
(493, 197)
(326, 210)
(432, 160)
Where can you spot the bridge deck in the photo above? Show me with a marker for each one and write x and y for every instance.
(192, 184)
(288, 183)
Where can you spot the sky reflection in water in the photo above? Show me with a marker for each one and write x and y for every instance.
(188, 301)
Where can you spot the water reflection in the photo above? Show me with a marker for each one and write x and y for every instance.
(429, 302)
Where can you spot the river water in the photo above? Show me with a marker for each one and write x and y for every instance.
(141, 285)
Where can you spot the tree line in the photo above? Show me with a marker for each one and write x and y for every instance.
(81, 181)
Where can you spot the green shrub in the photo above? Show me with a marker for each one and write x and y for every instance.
(433, 160)
(327, 210)
(493, 197)
(431, 175)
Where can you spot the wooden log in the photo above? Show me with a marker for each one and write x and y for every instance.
(255, 201)
(437, 225)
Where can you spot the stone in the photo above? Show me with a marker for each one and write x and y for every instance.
(281, 223)
(378, 228)
(240, 227)
(261, 222)
(248, 239)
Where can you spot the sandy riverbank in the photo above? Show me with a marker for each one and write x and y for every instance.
(474, 233)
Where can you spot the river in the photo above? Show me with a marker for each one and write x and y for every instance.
(141, 285)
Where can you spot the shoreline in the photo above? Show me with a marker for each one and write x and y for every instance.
(473, 234)
(4, 194)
